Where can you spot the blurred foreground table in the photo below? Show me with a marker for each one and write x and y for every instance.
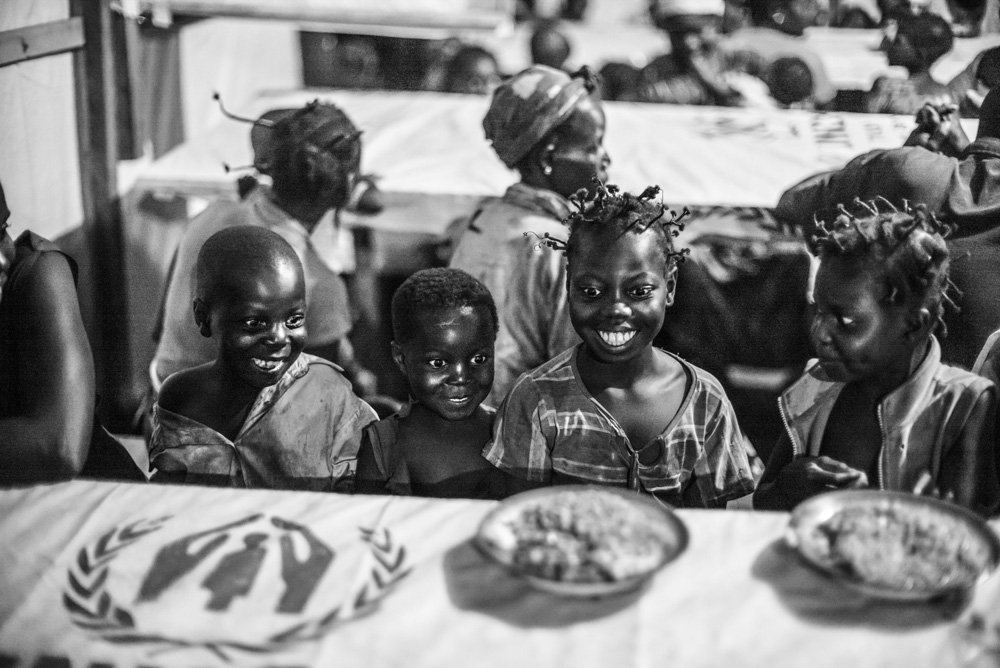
(145, 575)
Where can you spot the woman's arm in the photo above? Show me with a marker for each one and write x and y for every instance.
(48, 438)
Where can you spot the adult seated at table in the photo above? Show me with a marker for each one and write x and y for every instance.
(48, 430)
(313, 163)
(776, 34)
(918, 43)
(959, 183)
(696, 71)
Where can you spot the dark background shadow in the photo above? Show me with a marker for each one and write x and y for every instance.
(812, 596)
(477, 584)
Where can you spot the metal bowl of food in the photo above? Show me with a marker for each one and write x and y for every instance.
(580, 540)
(892, 544)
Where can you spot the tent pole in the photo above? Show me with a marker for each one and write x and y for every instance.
(97, 131)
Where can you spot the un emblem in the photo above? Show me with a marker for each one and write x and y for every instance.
(255, 584)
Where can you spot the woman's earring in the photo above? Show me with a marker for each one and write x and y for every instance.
(547, 170)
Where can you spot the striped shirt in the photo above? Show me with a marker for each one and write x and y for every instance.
(550, 429)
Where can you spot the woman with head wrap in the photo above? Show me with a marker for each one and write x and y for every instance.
(549, 127)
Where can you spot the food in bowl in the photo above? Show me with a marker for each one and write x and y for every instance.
(899, 547)
(582, 536)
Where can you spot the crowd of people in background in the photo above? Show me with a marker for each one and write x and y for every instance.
(720, 52)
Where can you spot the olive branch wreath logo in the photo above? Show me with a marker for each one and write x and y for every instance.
(92, 608)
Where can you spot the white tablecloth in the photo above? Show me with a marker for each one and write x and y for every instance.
(129, 575)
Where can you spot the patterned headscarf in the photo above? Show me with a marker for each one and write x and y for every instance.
(529, 105)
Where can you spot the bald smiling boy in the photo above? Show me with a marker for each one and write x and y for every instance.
(263, 413)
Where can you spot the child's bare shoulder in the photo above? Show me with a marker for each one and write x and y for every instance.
(186, 391)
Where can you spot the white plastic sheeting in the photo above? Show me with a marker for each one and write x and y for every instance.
(39, 164)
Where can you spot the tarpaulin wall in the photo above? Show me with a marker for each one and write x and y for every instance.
(39, 163)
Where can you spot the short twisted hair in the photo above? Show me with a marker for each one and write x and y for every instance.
(906, 246)
(434, 289)
(607, 209)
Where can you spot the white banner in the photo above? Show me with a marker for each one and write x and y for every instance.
(432, 145)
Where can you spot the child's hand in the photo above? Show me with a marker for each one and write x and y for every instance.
(806, 476)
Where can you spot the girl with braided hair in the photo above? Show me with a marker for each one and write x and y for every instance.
(614, 410)
(877, 408)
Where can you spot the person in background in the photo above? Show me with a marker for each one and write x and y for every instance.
(970, 86)
(777, 34)
(472, 70)
(878, 408)
(959, 182)
(696, 71)
(791, 83)
(856, 15)
(791, 17)
(313, 163)
(614, 410)
(549, 46)
(48, 427)
(966, 16)
(444, 323)
(549, 127)
(919, 42)
(262, 413)
(620, 82)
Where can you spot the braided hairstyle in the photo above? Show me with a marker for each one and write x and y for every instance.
(315, 151)
(905, 247)
(605, 208)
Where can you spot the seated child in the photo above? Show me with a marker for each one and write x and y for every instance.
(878, 408)
(614, 410)
(445, 323)
(262, 414)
